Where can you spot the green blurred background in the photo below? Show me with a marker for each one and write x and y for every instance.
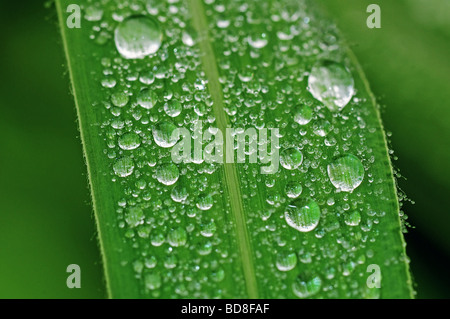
(46, 221)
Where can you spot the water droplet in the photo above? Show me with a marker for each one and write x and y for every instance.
(173, 108)
(286, 261)
(258, 41)
(208, 229)
(302, 114)
(306, 286)
(152, 281)
(179, 193)
(177, 237)
(293, 189)
(119, 99)
(129, 141)
(162, 134)
(123, 166)
(291, 158)
(205, 201)
(303, 215)
(346, 172)
(352, 218)
(167, 174)
(134, 216)
(332, 84)
(93, 13)
(137, 37)
(147, 98)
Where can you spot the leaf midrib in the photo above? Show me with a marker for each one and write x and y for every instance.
(230, 171)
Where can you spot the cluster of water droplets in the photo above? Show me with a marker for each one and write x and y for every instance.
(273, 73)
(173, 215)
(276, 74)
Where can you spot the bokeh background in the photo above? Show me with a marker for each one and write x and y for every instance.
(46, 220)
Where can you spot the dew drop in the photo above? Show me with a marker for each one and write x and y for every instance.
(173, 108)
(134, 216)
(177, 237)
(129, 141)
(119, 99)
(291, 158)
(346, 172)
(332, 84)
(208, 229)
(123, 166)
(306, 286)
(303, 216)
(152, 281)
(137, 37)
(352, 218)
(167, 174)
(286, 261)
(205, 201)
(293, 189)
(162, 134)
(179, 193)
(147, 98)
(302, 114)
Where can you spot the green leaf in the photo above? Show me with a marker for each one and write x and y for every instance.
(308, 208)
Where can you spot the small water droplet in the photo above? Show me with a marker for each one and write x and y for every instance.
(119, 99)
(134, 216)
(173, 108)
(306, 286)
(293, 189)
(332, 84)
(205, 201)
(291, 158)
(162, 134)
(152, 281)
(302, 114)
(286, 261)
(352, 218)
(129, 141)
(302, 215)
(137, 37)
(167, 174)
(147, 98)
(177, 237)
(123, 166)
(346, 172)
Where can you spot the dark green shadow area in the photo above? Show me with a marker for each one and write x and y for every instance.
(46, 221)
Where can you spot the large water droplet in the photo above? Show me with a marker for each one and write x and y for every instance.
(167, 174)
(346, 172)
(286, 261)
(129, 141)
(306, 286)
(123, 166)
(303, 215)
(291, 158)
(162, 134)
(332, 84)
(137, 37)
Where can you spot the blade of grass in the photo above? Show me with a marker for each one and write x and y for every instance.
(211, 230)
